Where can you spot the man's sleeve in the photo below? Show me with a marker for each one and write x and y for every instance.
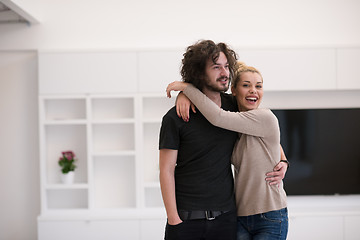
(169, 134)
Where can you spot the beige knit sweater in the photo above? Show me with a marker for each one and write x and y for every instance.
(255, 153)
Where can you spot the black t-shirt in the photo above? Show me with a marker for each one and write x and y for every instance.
(203, 177)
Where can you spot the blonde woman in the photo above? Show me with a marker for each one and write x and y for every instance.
(261, 207)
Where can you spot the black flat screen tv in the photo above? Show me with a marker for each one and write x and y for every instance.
(323, 147)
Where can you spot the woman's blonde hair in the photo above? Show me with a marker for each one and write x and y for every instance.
(240, 68)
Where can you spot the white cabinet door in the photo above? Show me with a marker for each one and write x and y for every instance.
(89, 230)
(152, 229)
(293, 69)
(158, 69)
(348, 71)
(316, 227)
(87, 72)
(352, 227)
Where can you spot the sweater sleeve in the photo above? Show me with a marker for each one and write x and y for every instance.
(256, 122)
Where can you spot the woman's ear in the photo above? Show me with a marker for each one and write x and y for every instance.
(233, 91)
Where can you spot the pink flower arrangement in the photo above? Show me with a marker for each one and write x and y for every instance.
(67, 162)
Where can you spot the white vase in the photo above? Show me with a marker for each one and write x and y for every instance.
(68, 178)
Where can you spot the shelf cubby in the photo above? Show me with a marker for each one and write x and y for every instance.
(104, 109)
(67, 199)
(153, 197)
(154, 108)
(113, 137)
(151, 151)
(65, 109)
(61, 138)
(114, 182)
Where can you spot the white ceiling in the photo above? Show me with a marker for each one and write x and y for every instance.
(11, 13)
(9, 16)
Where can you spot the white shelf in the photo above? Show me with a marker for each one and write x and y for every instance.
(67, 186)
(104, 132)
(66, 122)
(114, 153)
(114, 121)
(103, 214)
(152, 120)
(336, 205)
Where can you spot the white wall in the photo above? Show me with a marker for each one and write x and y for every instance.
(138, 24)
(89, 24)
(19, 148)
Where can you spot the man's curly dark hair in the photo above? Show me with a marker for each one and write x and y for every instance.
(196, 57)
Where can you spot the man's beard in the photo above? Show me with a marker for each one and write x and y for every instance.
(215, 87)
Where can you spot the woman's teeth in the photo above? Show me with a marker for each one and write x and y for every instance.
(251, 99)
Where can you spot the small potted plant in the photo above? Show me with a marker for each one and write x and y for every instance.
(67, 164)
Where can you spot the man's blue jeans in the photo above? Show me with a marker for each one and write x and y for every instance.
(264, 226)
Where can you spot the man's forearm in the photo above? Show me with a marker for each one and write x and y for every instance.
(167, 164)
(167, 183)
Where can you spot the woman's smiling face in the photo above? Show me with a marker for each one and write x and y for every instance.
(249, 91)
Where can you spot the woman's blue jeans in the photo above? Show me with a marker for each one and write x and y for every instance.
(264, 226)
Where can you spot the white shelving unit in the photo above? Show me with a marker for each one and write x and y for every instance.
(115, 139)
